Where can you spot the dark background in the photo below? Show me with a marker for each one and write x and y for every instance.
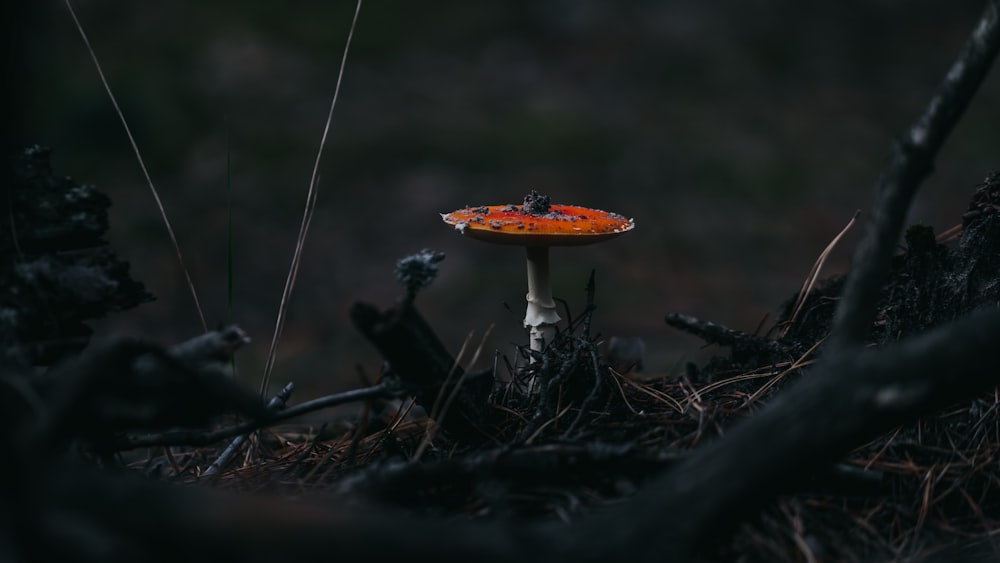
(740, 136)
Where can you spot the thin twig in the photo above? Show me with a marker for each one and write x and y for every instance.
(203, 438)
(276, 402)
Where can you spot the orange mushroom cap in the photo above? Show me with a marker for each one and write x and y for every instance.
(552, 225)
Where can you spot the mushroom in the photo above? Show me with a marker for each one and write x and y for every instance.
(537, 225)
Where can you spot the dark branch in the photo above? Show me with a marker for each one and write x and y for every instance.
(911, 160)
(204, 438)
(813, 424)
(714, 333)
(415, 353)
(543, 465)
(276, 403)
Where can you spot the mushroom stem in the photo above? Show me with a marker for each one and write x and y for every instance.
(541, 316)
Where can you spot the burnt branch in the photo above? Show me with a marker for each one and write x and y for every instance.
(58, 271)
(841, 404)
(714, 333)
(533, 466)
(128, 386)
(386, 389)
(277, 402)
(415, 353)
(911, 160)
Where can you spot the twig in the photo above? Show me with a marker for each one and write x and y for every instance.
(386, 389)
(714, 333)
(213, 350)
(276, 402)
(594, 395)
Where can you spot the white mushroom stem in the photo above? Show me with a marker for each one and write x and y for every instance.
(541, 317)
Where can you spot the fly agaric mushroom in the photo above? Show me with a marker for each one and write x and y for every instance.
(537, 225)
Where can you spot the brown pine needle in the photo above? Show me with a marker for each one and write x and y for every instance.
(293, 270)
(548, 423)
(443, 411)
(439, 400)
(658, 395)
(769, 371)
(799, 363)
(949, 235)
(814, 275)
(142, 165)
(616, 377)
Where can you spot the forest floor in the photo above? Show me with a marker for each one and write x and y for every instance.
(594, 435)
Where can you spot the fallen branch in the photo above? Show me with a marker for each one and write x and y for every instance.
(276, 403)
(714, 333)
(131, 386)
(911, 160)
(425, 367)
(533, 466)
(843, 402)
(387, 389)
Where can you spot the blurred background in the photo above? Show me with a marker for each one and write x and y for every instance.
(740, 136)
